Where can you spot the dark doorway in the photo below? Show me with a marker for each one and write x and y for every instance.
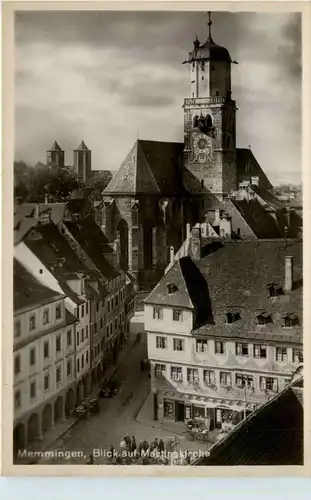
(124, 244)
(179, 412)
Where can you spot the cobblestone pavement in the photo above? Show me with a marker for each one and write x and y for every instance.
(116, 418)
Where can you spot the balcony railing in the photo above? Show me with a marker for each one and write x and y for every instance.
(189, 101)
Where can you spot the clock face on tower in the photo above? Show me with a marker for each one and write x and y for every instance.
(202, 148)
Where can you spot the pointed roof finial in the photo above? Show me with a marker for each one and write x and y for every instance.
(209, 25)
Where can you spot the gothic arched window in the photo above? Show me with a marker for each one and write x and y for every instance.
(209, 121)
(195, 121)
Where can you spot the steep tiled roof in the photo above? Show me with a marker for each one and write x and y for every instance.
(94, 243)
(273, 435)
(151, 167)
(268, 197)
(183, 286)
(28, 292)
(248, 166)
(55, 147)
(235, 275)
(27, 210)
(258, 219)
(238, 274)
(53, 250)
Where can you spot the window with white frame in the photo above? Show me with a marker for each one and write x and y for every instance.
(17, 400)
(297, 356)
(157, 313)
(32, 322)
(46, 382)
(281, 354)
(260, 351)
(241, 349)
(17, 328)
(58, 375)
(159, 370)
(178, 344)
(268, 384)
(176, 373)
(209, 377)
(161, 342)
(219, 347)
(192, 375)
(242, 380)
(225, 379)
(201, 345)
(58, 311)
(17, 364)
(177, 315)
(46, 316)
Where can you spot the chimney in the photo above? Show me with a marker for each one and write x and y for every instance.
(187, 230)
(288, 273)
(46, 198)
(37, 211)
(172, 254)
(196, 242)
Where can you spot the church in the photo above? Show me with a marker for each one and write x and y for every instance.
(162, 187)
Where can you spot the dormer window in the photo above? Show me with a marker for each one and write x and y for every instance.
(232, 317)
(291, 320)
(274, 290)
(264, 318)
(172, 288)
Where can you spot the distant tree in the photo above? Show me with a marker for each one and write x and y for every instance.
(33, 183)
(98, 183)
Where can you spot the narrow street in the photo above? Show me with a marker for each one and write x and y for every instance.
(116, 418)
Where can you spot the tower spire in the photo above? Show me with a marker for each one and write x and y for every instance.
(209, 25)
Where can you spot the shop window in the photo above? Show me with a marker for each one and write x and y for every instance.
(198, 412)
(168, 409)
(260, 351)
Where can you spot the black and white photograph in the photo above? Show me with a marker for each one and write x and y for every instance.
(158, 238)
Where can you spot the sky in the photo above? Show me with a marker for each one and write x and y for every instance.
(112, 77)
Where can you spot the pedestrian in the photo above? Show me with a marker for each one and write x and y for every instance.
(128, 442)
(133, 444)
(90, 460)
(161, 446)
(145, 446)
(111, 452)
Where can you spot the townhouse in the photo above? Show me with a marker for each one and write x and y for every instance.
(224, 331)
(48, 257)
(44, 358)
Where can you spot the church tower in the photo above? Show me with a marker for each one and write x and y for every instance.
(209, 118)
(55, 157)
(82, 162)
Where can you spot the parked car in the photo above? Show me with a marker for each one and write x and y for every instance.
(109, 388)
